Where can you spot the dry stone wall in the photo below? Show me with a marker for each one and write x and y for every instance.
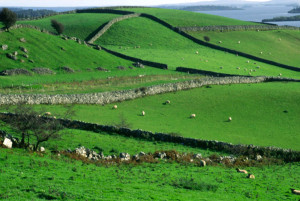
(287, 155)
(117, 96)
(110, 23)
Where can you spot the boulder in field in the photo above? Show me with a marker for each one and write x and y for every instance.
(124, 156)
(7, 143)
(4, 47)
(67, 69)
(23, 40)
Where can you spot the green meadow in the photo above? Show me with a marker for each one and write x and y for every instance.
(77, 25)
(278, 45)
(257, 110)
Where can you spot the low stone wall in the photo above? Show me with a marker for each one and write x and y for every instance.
(109, 24)
(117, 96)
(237, 28)
(19, 26)
(247, 150)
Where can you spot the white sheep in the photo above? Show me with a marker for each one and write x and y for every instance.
(250, 176)
(241, 171)
(261, 52)
(296, 192)
(167, 102)
(192, 116)
(280, 74)
(248, 61)
(238, 68)
(115, 107)
(229, 118)
(197, 52)
(220, 41)
(143, 113)
(239, 42)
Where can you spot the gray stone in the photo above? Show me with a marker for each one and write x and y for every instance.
(138, 65)
(11, 56)
(17, 71)
(162, 155)
(124, 156)
(4, 47)
(7, 143)
(258, 157)
(24, 49)
(67, 69)
(136, 157)
(197, 156)
(23, 40)
(81, 151)
(42, 71)
(142, 153)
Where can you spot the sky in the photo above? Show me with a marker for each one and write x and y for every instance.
(77, 3)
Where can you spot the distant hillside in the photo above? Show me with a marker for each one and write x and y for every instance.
(209, 8)
(295, 10)
(278, 19)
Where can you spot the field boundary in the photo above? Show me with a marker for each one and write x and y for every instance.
(109, 24)
(123, 95)
(237, 28)
(287, 155)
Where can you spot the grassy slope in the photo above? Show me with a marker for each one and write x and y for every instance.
(45, 51)
(173, 49)
(284, 51)
(179, 18)
(80, 25)
(257, 112)
(32, 177)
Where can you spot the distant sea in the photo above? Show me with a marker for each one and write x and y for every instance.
(258, 13)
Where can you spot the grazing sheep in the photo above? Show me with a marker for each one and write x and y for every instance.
(167, 102)
(251, 176)
(238, 68)
(250, 70)
(54, 117)
(241, 171)
(197, 52)
(249, 73)
(248, 61)
(115, 107)
(296, 192)
(143, 113)
(280, 74)
(192, 116)
(239, 42)
(220, 41)
(229, 118)
(261, 52)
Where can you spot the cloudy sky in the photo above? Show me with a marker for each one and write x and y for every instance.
(76, 3)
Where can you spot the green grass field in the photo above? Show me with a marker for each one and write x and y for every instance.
(257, 111)
(179, 18)
(280, 46)
(80, 25)
(29, 176)
(160, 44)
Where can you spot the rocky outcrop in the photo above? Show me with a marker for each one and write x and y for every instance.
(42, 71)
(17, 71)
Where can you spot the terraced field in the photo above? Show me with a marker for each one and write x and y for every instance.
(278, 45)
(80, 25)
(179, 18)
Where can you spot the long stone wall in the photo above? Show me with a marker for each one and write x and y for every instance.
(247, 150)
(237, 28)
(117, 96)
(110, 23)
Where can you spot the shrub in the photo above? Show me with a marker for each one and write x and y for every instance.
(206, 38)
(193, 185)
(59, 27)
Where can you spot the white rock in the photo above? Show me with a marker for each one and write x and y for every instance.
(8, 143)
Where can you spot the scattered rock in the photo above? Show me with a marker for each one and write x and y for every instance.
(42, 71)
(142, 153)
(202, 163)
(101, 69)
(124, 156)
(4, 47)
(31, 61)
(11, 56)
(42, 149)
(26, 56)
(67, 69)
(258, 157)
(138, 65)
(81, 151)
(17, 71)
(161, 155)
(197, 156)
(7, 143)
(24, 49)
(22, 61)
(121, 68)
(23, 40)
